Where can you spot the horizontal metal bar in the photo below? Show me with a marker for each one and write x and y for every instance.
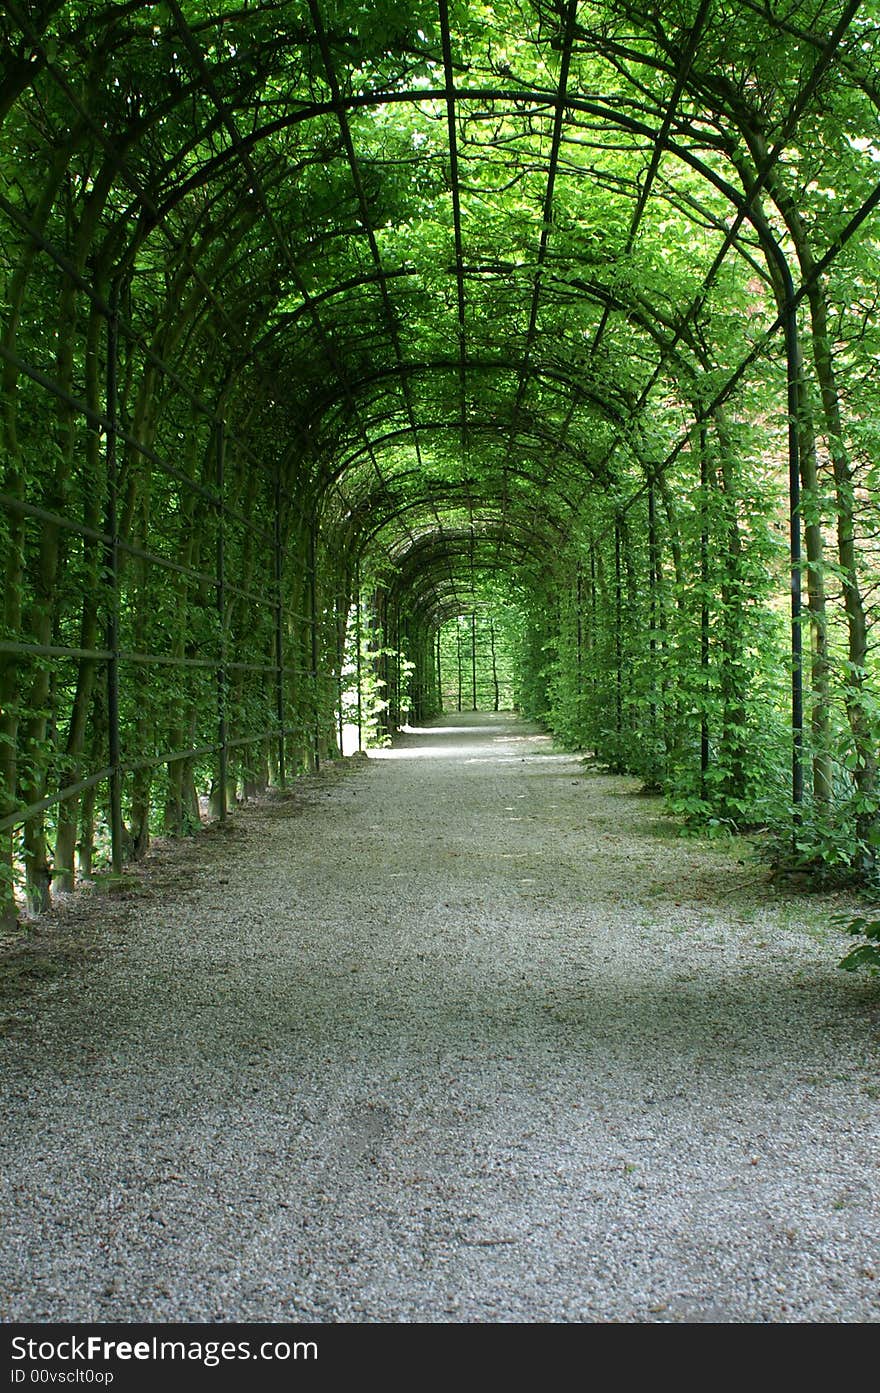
(97, 418)
(197, 752)
(252, 667)
(157, 559)
(256, 739)
(52, 650)
(46, 650)
(18, 505)
(166, 660)
(261, 533)
(127, 329)
(261, 600)
(102, 305)
(24, 815)
(193, 574)
(152, 761)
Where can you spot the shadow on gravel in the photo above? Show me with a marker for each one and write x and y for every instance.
(719, 1026)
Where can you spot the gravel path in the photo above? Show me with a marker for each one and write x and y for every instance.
(462, 1033)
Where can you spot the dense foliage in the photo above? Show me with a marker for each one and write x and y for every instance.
(329, 325)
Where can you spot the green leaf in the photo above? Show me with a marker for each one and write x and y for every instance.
(866, 955)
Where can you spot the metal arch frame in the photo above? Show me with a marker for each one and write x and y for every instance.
(239, 143)
(567, 41)
(417, 367)
(799, 106)
(419, 563)
(404, 433)
(316, 109)
(443, 498)
(419, 95)
(243, 154)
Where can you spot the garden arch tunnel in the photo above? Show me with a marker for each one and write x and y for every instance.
(326, 325)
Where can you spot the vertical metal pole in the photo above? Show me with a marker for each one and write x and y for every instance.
(418, 675)
(458, 654)
(792, 357)
(113, 573)
(580, 631)
(398, 676)
(279, 630)
(652, 600)
(381, 642)
(591, 630)
(222, 732)
(313, 597)
(397, 657)
(421, 674)
(439, 676)
(618, 641)
(474, 657)
(704, 608)
(340, 660)
(357, 623)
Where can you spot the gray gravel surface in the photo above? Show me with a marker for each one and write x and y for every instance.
(464, 1033)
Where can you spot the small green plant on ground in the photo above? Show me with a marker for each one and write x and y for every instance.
(866, 952)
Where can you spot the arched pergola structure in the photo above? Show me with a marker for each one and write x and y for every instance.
(313, 311)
